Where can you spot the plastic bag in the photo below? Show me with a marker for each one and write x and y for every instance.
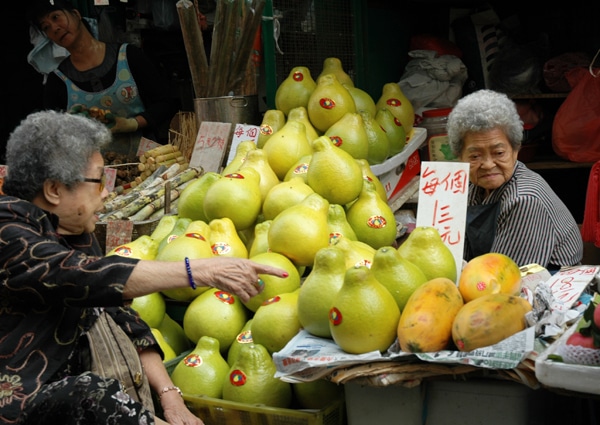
(433, 81)
(576, 127)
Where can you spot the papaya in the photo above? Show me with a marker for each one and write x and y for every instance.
(425, 324)
(488, 320)
(489, 273)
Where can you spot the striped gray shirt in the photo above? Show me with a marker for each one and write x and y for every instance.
(533, 225)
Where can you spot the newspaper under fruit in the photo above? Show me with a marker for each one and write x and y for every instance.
(307, 357)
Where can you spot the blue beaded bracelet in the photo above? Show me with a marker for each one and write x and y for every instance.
(189, 273)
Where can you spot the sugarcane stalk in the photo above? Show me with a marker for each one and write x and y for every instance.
(134, 206)
(194, 46)
(159, 150)
(145, 212)
(250, 25)
(221, 67)
(147, 184)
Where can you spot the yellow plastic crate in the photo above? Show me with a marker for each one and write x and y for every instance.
(223, 412)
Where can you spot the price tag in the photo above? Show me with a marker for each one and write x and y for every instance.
(111, 178)
(145, 145)
(443, 190)
(242, 133)
(211, 142)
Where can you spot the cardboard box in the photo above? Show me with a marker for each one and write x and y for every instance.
(396, 172)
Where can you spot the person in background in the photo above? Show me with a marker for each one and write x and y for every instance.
(511, 209)
(115, 83)
(56, 283)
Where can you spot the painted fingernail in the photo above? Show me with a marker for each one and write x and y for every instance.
(285, 274)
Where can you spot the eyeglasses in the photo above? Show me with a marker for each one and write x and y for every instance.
(101, 180)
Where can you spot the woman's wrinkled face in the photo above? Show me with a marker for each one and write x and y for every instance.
(491, 157)
(79, 206)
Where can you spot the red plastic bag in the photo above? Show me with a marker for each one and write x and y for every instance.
(576, 127)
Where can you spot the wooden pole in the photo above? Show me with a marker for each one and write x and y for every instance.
(194, 46)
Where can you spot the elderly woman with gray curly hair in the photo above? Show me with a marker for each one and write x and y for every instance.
(511, 209)
(57, 288)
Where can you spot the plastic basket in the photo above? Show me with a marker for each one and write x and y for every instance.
(223, 412)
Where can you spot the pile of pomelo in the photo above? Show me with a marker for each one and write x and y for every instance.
(304, 200)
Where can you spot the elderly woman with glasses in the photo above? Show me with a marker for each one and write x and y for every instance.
(55, 284)
(511, 209)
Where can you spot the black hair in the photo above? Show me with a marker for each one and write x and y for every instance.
(40, 8)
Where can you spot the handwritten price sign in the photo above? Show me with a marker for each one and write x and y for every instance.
(211, 142)
(443, 190)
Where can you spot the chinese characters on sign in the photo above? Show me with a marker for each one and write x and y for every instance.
(443, 189)
(211, 142)
(242, 133)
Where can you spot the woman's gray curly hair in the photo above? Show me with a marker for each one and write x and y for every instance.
(50, 145)
(484, 110)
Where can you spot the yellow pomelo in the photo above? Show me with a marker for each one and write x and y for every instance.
(333, 65)
(274, 285)
(295, 90)
(348, 133)
(338, 224)
(225, 196)
(193, 243)
(356, 253)
(257, 159)
(398, 275)
(370, 176)
(317, 394)
(273, 120)
(143, 248)
(364, 316)
(203, 370)
(286, 147)
(300, 114)
(328, 102)
(320, 287)
(174, 334)
(379, 144)
(191, 199)
(168, 351)
(259, 242)
(164, 227)
(275, 322)
(242, 149)
(243, 338)
(425, 248)
(329, 167)
(393, 99)
(225, 240)
(299, 169)
(151, 308)
(372, 218)
(362, 99)
(284, 195)
(251, 379)
(215, 313)
(299, 231)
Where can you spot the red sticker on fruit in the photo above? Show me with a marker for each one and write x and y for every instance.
(327, 103)
(225, 297)
(376, 222)
(237, 378)
(192, 360)
(335, 316)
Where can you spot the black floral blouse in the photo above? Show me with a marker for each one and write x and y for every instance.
(49, 286)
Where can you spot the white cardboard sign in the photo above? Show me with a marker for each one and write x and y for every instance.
(443, 190)
(242, 133)
(210, 146)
